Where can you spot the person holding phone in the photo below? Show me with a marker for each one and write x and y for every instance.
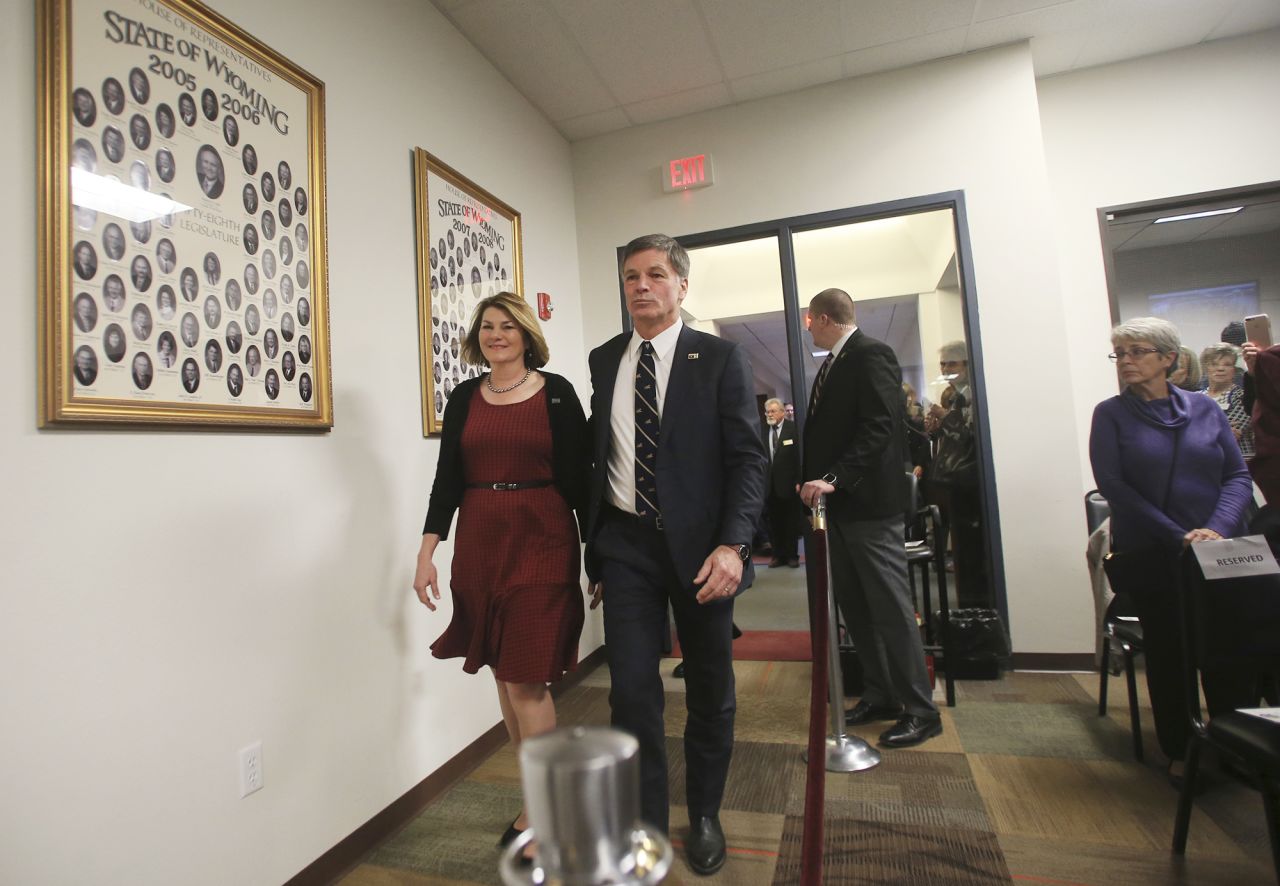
(1262, 374)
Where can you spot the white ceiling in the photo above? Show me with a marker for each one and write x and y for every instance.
(595, 66)
(1259, 214)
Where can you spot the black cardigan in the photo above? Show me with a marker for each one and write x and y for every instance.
(570, 451)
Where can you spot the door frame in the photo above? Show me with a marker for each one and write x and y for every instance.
(783, 229)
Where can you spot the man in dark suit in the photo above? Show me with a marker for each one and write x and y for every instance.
(784, 476)
(854, 454)
(676, 491)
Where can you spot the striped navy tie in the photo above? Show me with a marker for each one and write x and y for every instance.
(647, 422)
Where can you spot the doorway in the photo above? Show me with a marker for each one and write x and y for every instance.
(906, 265)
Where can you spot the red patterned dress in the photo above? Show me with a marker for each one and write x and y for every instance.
(517, 602)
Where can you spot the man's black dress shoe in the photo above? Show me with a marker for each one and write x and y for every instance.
(776, 562)
(794, 562)
(863, 712)
(706, 846)
(678, 671)
(911, 730)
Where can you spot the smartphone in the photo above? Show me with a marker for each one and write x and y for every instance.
(1257, 329)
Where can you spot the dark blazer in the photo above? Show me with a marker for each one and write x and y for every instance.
(569, 451)
(856, 431)
(711, 463)
(784, 469)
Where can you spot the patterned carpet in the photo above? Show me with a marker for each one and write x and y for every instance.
(1026, 785)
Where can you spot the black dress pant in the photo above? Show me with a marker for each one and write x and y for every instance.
(639, 583)
(784, 525)
(1224, 689)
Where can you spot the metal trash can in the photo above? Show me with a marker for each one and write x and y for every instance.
(582, 788)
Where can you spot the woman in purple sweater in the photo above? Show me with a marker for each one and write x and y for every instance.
(1169, 465)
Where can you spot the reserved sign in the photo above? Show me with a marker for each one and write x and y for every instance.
(1235, 558)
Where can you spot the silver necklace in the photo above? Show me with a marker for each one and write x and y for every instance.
(488, 380)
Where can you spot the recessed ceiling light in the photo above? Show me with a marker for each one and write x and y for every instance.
(1191, 215)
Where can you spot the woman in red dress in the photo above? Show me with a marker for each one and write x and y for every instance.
(514, 463)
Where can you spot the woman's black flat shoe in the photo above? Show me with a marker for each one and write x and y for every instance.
(509, 835)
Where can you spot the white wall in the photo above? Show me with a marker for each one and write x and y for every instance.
(170, 597)
(969, 123)
(1198, 119)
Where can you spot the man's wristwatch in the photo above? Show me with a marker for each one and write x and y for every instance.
(743, 552)
(830, 478)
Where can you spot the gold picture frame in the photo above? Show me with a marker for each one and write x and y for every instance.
(469, 247)
(183, 269)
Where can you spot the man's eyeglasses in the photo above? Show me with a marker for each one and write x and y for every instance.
(1132, 353)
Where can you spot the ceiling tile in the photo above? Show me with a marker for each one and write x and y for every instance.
(690, 101)
(753, 36)
(643, 50)
(989, 9)
(1076, 15)
(1055, 53)
(904, 53)
(528, 45)
(589, 125)
(791, 79)
(1246, 17)
(875, 22)
(1132, 28)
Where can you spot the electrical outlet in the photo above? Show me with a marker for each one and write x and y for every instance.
(251, 769)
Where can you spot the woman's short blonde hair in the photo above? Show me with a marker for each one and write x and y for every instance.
(1217, 353)
(536, 353)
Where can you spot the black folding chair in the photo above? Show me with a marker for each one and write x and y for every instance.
(926, 545)
(1120, 630)
(1232, 624)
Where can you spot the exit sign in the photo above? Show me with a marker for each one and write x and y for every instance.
(687, 173)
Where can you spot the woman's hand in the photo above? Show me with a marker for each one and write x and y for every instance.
(424, 578)
(1250, 355)
(1196, 535)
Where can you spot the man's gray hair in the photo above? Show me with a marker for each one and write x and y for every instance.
(781, 405)
(1161, 333)
(676, 254)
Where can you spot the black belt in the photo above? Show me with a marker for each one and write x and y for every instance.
(511, 487)
(634, 519)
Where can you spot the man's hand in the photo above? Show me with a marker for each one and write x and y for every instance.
(595, 590)
(810, 492)
(720, 575)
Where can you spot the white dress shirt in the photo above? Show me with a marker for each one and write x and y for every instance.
(622, 417)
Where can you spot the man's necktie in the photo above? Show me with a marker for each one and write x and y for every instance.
(777, 439)
(646, 434)
(818, 382)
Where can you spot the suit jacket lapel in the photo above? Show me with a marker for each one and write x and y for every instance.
(678, 382)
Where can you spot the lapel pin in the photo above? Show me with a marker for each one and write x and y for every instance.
(555, 400)
(693, 356)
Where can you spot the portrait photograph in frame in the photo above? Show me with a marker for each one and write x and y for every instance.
(469, 248)
(158, 285)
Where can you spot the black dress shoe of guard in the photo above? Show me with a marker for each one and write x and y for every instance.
(911, 730)
(706, 846)
(863, 712)
(678, 671)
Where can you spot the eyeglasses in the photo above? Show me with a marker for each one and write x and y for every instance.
(1132, 353)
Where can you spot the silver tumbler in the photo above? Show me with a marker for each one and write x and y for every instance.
(582, 788)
